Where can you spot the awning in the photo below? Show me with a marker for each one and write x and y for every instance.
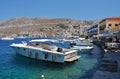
(107, 35)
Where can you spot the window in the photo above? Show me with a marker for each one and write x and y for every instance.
(116, 24)
(24, 49)
(18, 48)
(46, 55)
(109, 24)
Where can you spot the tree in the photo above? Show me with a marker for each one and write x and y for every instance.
(62, 26)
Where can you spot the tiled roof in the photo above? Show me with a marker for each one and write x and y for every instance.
(112, 18)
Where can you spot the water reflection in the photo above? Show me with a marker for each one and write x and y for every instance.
(29, 62)
(85, 67)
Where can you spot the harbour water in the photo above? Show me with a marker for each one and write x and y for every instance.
(14, 66)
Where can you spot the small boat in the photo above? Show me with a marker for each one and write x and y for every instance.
(7, 38)
(83, 49)
(81, 46)
(70, 39)
(43, 49)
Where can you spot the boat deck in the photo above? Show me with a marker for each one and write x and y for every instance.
(72, 59)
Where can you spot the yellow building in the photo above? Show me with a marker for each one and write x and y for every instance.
(111, 25)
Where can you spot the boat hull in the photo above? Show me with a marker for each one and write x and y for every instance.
(38, 54)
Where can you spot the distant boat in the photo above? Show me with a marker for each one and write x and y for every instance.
(70, 39)
(82, 39)
(81, 46)
(7, 38)
(21, 37)
(43, 49)
(83, 49)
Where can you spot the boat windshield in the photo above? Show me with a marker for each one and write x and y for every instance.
(38, 43)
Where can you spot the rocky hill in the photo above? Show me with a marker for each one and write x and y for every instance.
(32, 25)
(38, 21)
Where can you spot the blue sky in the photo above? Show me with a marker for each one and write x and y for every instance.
(73, 9)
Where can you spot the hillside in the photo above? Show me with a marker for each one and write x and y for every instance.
(39, 21)
(37, 25)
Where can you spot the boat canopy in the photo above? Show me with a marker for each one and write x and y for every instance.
(105, 35)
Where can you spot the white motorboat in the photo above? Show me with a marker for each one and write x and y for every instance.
(7, 38)
(71, 39)
(81, 46)
(83, 49)
(42, 49)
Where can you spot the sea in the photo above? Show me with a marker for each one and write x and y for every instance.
(15, 66)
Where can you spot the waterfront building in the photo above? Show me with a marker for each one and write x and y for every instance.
(109, 25)
(93, 30)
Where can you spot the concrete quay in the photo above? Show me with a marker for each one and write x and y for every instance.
(106, 75)
(109, 67)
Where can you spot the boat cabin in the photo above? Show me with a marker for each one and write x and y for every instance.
(47, 45)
